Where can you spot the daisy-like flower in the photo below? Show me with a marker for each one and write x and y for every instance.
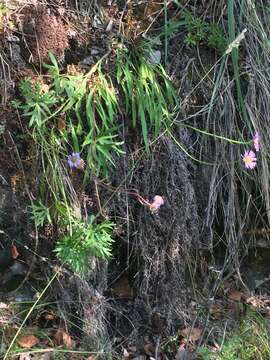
(75, 161)
(249, 159)
(256, 142)
(158, 201)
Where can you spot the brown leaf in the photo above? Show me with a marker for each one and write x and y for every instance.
(192, 334)
(149, 349)
(14, 252)
(217, 310)
(121, 288)
(63, 338)
(49, 316)
(28, 341)
(236, 295)
(61, 124)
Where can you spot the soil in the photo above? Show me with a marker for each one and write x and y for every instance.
(43, 32)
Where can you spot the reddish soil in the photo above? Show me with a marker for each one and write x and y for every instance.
(44, 32)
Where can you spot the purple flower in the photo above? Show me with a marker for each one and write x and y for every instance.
(256, 142)
(74, 161)
(249, 159)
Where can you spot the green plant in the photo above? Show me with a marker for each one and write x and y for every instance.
(74, 117)
(250, 341)
(40, 214)
(84, 241)
(198, 31)
(149, 97)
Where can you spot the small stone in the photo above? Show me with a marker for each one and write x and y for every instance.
(88, 61)
(94, 51)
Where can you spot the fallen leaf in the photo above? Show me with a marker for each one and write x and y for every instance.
(49, 316)
(236, 295)
(28, 341)
(121, 288)
(192, 334)
(149, 349)
(14, 252)
(217, 311)
(61, 124)
(63, 338)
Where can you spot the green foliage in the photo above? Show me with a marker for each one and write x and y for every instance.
(85, 104)
(149, 96)
(251, 341)
(76, 112)
(199, 30)
(40, 214)
(38, 104)
(84, 241)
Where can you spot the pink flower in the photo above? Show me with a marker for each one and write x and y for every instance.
(158, 201)
(249, 159)
(256, 142)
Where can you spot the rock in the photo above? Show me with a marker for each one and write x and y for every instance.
(89, 60)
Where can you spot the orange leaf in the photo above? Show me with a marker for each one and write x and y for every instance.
(28, 341)
(14, 252)
(192, 334)
(63, 338)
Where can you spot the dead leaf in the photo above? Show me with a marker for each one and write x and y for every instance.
(236, 295)
(14, 252)
(63, 338)
(121, 288)
(192, 334)
(61, 124)
(217, 311)
(149, 349)
(28, 341)
(49, 316)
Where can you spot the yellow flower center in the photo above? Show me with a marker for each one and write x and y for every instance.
(248, 159)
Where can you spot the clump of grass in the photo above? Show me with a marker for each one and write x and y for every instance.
(251, 341)
(200, 31)
(149, 97)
